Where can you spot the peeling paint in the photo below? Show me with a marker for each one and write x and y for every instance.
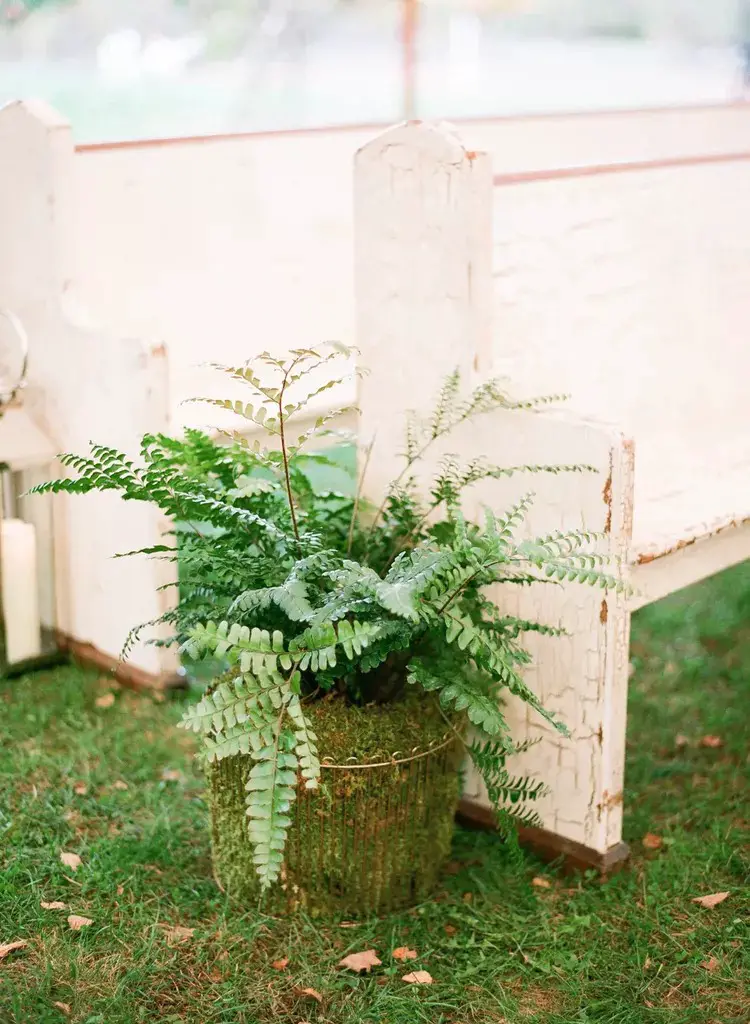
(652, 556)
(607, 498)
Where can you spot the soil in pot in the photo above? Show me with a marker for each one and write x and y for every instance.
(370, 839)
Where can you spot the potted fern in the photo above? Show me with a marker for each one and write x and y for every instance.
(356, 658)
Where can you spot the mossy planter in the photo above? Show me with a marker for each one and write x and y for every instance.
(374, 836)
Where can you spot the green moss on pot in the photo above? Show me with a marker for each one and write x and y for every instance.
(370, 839)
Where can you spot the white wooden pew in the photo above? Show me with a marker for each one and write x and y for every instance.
(629, 288)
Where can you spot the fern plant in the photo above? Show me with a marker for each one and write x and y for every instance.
(299, 591)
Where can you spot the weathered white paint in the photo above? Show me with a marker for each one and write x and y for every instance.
(84, 384)
(423, 209)
(200, 243)
(631, 291)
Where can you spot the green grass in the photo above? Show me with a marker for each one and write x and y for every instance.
(630, 949)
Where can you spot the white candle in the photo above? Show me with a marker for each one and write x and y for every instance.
(20, 590)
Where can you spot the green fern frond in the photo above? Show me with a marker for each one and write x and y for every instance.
(291, 597)
(271, 791)
(459, 694)
(306, 748)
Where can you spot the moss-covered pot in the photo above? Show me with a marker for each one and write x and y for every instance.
(375, 834)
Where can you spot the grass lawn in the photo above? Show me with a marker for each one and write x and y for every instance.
(117, 786)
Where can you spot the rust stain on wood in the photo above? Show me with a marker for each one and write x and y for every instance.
(607, 497)
(687, 542)
(609, 802)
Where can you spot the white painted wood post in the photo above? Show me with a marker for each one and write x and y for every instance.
(423, 241)
(84, 384)
(423, 275)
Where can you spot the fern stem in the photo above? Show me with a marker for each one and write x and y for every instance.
(358, 495)
(285, 454)
(451, 726)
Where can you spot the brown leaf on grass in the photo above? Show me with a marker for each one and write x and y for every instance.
(418, 978)
(279, 965)
(311, 993)
(541, 883)
(54, 905)
(119, 784)
(711, 741)
(711, 900)
(652, 841)
(65, 1007)
(712, 964)
(361, 961)
(449, 929)
(681, 741)
(76, 922)
(70, 860)
(176, 934)
(80, 789)
(105, 701)
(404, 953)
(11, 947)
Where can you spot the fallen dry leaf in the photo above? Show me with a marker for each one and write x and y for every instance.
(171, 775)
(119, 784)
(712, 964)
(10, 947)
(711, 900)
(177, 934)
(279, 965)
(404, 953)
(711, 741)
(449, 929)
(418, 978)
(681, 741)
(76, 922)
(65, 1007)
(80, 789)
(105, 701)
(70, 860)
(361, 961)
(54, 905)
(311, 992)
(651, 841)
(541, 883)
